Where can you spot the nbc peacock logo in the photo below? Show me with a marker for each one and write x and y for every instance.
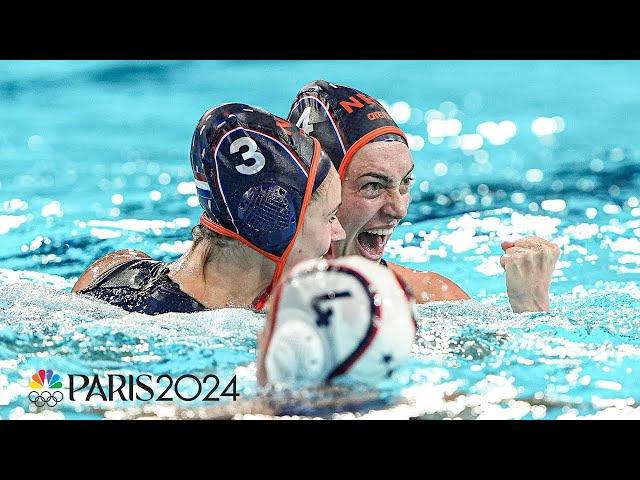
(42, 382)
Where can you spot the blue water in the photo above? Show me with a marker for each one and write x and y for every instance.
(94, 157)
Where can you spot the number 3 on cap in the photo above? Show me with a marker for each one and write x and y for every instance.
(252, 153)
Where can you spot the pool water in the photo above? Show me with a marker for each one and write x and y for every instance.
(94, 158)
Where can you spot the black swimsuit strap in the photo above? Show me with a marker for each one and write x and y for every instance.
(144, 286)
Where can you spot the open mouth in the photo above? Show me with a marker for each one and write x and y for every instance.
(371, 243)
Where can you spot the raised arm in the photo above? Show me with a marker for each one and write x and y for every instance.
(529, 263)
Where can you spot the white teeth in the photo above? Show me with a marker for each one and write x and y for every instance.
(380, 231)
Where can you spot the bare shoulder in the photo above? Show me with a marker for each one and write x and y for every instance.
(105, 263)
(429, 286)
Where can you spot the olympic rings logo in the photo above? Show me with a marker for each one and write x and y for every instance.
(45, 398)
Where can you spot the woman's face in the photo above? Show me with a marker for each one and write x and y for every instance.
(320, 226)
(375, 197)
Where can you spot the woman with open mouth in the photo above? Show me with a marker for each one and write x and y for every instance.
(372, 157)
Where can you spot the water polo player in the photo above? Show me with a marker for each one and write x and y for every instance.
(373, 160)
(270, 196)
(345, 318)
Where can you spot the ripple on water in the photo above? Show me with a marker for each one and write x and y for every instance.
(470, 360)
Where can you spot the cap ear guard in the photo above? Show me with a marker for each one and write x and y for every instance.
(267, 216)
(296, 351)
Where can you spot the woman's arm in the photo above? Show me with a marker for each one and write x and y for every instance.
(429, 286)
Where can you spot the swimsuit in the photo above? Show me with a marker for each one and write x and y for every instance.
(143, 286)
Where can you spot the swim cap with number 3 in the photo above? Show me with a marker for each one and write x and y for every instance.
(254, 174)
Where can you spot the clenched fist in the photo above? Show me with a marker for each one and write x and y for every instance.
(529, 263)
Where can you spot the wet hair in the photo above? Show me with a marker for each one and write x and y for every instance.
(213, 243)
(322, 189)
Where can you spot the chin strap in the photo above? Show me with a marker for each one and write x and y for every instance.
(261, 300)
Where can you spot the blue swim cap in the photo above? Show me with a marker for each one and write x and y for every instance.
(342, 119)
(255, 174)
